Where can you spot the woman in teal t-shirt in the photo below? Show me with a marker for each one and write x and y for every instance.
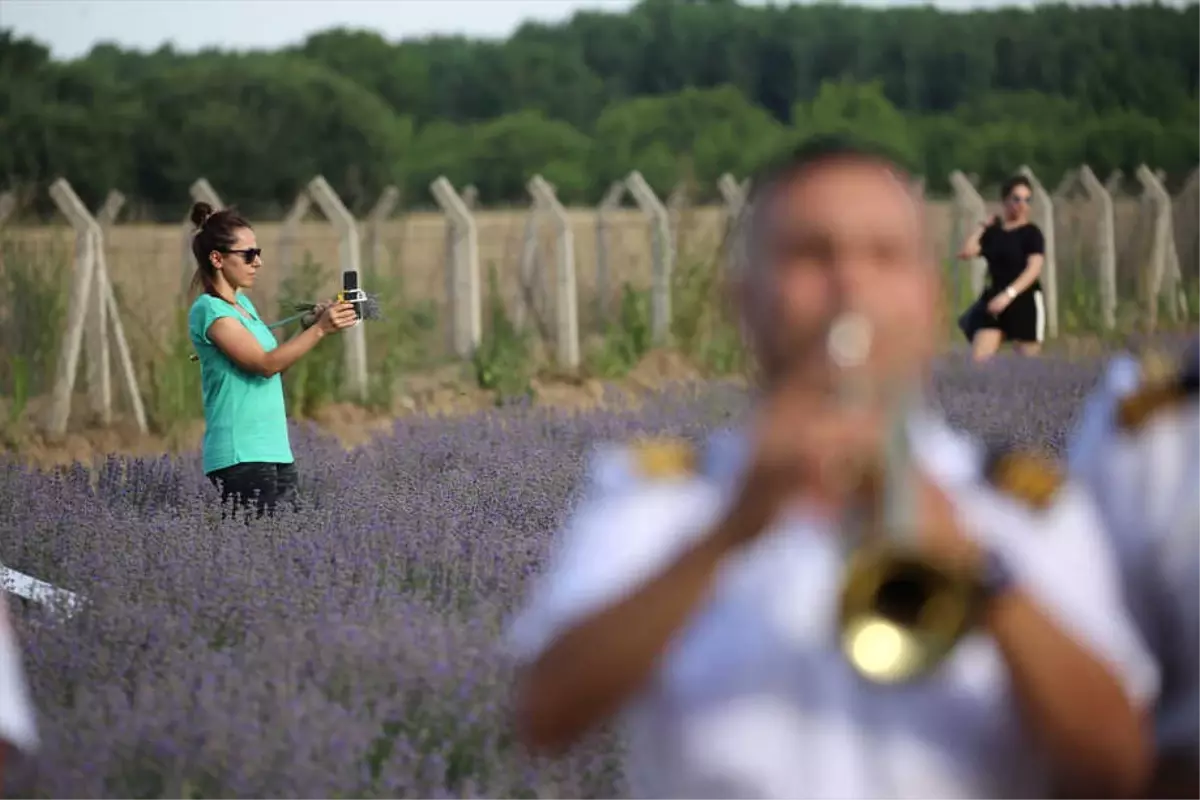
(246, 449)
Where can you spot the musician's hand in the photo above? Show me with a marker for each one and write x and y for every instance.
(941, 532)
(336, 317)
(806, 446)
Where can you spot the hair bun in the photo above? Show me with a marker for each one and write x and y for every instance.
(201, 211)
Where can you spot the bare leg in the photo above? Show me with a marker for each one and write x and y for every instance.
(986, 343)
(1029, 348)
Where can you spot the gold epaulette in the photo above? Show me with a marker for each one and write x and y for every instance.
(1030, 477)
(1164, 385)
(1135, 410)
(1156, 366)
(657, 459)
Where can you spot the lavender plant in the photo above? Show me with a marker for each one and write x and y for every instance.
(349, 648)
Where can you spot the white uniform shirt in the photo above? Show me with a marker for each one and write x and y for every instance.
(754, 697)
(1146, 484)
(17, 725)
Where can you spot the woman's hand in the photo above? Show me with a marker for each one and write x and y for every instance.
(998, 303)
(336, 317)
(313, 314)
(970, 248)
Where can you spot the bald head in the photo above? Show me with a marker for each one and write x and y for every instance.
(839, 231)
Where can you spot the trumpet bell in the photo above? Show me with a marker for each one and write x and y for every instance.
(901, 614)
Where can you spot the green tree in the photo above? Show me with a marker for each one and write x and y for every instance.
(506, 152)
(398, 75)
(673, 88)
(260, 127)
(861, 109)
(708, 131)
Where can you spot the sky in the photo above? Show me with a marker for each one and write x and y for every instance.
(72, 27)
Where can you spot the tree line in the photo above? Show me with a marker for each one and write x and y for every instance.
(679, 89)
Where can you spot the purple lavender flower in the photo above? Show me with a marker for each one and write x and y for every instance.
(350, 649)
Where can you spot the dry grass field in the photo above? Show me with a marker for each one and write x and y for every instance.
(146, 262)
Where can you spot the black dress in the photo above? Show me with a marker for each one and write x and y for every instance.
(1007, 253)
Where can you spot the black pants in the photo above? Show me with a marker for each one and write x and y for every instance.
(263, 483)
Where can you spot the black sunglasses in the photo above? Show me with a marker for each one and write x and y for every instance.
(248, 254)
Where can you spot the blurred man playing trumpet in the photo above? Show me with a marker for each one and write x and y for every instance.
(1137, 448)
(703, 593)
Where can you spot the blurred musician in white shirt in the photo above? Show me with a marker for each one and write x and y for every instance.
(18, 731)
(1137, 447)
(695, 592)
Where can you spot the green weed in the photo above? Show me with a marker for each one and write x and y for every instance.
(316, 379)
(401, 341)
(172, 395)
(626, 339)
(33, 310)
(503, 360)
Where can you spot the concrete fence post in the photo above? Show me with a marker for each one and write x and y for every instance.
(610, 203)
(663, 256)
(734, 196)
(465, 297)
(105, 218)
(107, 215)
(1164, 279)
(348, 255)
(91, 305)
(1105, 245)
(381, 212)
(8, 205)
(969, 210)
(566, 302)
(289, 233)
(88, 317)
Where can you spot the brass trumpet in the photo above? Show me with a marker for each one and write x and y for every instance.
(901, 613)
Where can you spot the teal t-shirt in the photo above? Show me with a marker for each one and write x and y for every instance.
(244, 415)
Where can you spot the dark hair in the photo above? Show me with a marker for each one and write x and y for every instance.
(1012, 183)
(215, 230)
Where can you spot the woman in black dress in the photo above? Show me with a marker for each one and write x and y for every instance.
(1011, 307)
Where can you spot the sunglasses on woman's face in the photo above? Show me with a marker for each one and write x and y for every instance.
(248, 254)
(1020, 199)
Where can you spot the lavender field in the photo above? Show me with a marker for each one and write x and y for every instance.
(351, 649)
